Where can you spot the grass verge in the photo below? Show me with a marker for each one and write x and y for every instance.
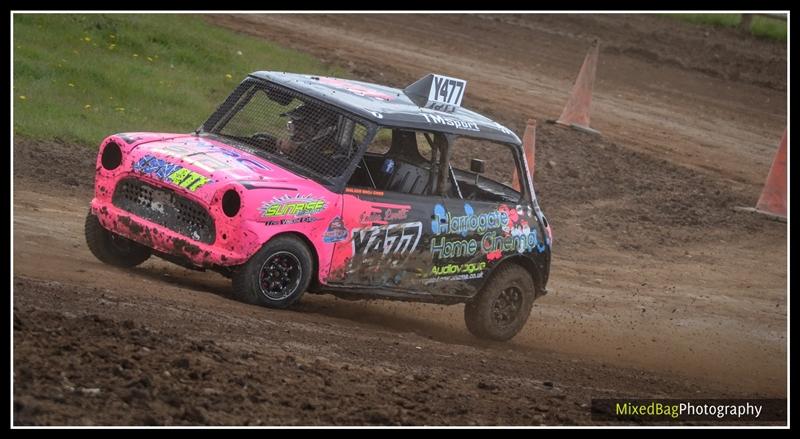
(81, 77)
(765, 27)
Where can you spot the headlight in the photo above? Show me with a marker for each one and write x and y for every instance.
(231, 202)
(112, 156)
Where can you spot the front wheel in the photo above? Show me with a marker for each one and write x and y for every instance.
(502, 307)
(111, 248)
(276, 276)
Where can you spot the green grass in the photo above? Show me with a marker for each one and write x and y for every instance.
(765, 27)
(769, 28)
(725, 20)
(79, 78)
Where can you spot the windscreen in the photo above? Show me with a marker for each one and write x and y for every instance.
(290, 128)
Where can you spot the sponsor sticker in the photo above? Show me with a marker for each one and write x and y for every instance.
(335, 232)
(451, 121)
(296, 206)
(401, 239)
(170, 172)
(285, 221)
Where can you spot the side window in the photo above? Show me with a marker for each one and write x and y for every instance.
(381, 143)
(399, 161)
(484, 170)
(424, 147)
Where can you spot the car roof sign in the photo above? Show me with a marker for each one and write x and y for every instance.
(436, 89)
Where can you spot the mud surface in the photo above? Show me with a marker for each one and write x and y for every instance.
(110, 363)
(658, 288)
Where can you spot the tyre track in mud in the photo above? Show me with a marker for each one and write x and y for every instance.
(99, 356)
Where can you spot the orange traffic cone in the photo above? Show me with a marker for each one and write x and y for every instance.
(529, 146)
(576, 112)
(773, 197)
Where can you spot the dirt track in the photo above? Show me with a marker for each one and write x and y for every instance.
(658, 288)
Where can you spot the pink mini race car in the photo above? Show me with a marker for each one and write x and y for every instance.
(301, 182)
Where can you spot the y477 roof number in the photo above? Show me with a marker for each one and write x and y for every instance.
(447, 90)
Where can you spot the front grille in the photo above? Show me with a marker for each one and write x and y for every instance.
(166, 208)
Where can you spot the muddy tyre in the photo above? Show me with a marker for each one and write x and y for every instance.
(501, 308)
(276, 276)
(111, 248)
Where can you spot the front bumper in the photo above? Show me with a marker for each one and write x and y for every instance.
(162, 239)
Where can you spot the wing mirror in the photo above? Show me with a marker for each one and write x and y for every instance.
(477, 166)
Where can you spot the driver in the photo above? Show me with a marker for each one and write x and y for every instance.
(312, 134)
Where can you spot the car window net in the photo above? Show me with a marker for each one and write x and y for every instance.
(292, 129)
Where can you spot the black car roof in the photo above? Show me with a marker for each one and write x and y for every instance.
(391, 107)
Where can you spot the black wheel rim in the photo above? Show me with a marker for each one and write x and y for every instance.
(507, 306)
(280, 275)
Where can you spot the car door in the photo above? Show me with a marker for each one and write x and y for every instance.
(387, 214)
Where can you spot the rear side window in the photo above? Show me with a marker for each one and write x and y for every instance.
(499, 180)
(411, 144)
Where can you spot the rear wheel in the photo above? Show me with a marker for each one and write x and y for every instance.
(502, 307)
(111, 248)
(276, 276)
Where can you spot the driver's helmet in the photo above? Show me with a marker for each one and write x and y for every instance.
(310, 122)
